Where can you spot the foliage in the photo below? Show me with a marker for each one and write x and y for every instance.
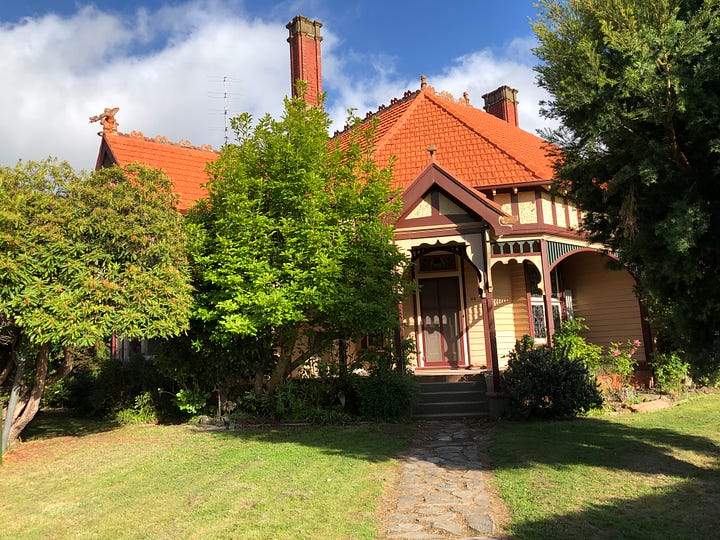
(293, 250)
(544, 382)
(83, 256)
(387, 395)
(670, 371)
(117, 385)
(636, 85)
(568, 340)
(620, 359)
(143, 411)
(191, 401)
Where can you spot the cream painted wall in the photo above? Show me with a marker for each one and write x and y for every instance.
(604, 298)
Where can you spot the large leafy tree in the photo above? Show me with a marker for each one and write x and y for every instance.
(636, 86)
(293, 249)
(82, 256)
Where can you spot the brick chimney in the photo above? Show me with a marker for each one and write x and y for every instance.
(304, 42)
(503, 104)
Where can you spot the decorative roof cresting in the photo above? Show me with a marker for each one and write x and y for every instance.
(107, 119)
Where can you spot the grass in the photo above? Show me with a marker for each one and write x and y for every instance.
(654, 475)
(104, 481)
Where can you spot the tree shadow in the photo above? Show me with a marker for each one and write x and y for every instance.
(362, 441)
(49, 423)
(683, 471)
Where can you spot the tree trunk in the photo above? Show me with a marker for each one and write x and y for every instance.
(14, 396)
(6, 370)
(342, 356)
(33, 403)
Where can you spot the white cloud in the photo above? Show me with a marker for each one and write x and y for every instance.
(164, 70)
(476, 73)
(60, 71)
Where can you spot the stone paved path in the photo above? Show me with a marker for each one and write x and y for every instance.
(442, 491)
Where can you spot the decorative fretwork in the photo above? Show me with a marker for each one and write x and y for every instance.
(556, 250)
(512, 247)
(457, 249)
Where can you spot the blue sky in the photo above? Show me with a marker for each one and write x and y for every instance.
(162, 63)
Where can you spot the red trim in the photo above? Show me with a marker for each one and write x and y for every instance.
(528, 298)
(430, 233)
(539, 208)
(494, 363)
(464, 324)
(473, 201)
(486, 329)
(587, 250)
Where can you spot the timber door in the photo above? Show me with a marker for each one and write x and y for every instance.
(440, 321)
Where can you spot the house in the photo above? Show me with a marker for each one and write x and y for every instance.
(496, 253)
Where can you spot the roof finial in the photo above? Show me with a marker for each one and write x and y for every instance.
(423, 82)
(432, 149)
(466, 98)
(107, 119)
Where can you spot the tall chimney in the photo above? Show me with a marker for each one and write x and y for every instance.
(503, 104)
(304, 42)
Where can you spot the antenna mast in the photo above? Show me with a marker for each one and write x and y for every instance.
(225, 108)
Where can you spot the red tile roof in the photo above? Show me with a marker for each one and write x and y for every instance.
(477, 148)
(184, 164)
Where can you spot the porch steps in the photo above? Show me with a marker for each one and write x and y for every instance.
(454, 399)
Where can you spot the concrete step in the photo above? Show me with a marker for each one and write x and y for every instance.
(451, 407)
(463, 396)
(452, 400)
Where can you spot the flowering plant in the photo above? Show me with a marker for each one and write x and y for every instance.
(621, 359)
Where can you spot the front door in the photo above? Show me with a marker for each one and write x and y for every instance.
(440, 320)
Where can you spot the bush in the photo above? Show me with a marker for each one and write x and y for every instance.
(387, 395)
(143, 411)
(620, 359)
(543, 382)
(317, 400)
(568, 340)
(670, 371)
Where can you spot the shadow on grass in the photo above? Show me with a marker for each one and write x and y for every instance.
(49, 423)
(365, 441)
(679, 474)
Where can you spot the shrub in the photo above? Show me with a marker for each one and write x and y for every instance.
(544, 382)
(670, 371)
(387, 395)
(143, 411)
(315, 400)
(191, 400)
(568, 340)
(620, 359)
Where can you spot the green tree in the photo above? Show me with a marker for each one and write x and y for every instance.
(293, 250)
(81, 257)
(636, 86)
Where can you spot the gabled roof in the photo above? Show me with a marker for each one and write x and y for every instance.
(469, 200)
(477, 148)
(184, 164)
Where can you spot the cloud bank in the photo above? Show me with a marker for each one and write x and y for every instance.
(165, 71)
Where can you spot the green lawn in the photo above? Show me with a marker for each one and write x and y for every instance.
(102, 481)
(653, 475)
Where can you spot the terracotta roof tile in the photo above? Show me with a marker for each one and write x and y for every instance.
(478, 148)
(184, 164)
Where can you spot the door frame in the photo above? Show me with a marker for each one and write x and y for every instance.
(458, 274)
